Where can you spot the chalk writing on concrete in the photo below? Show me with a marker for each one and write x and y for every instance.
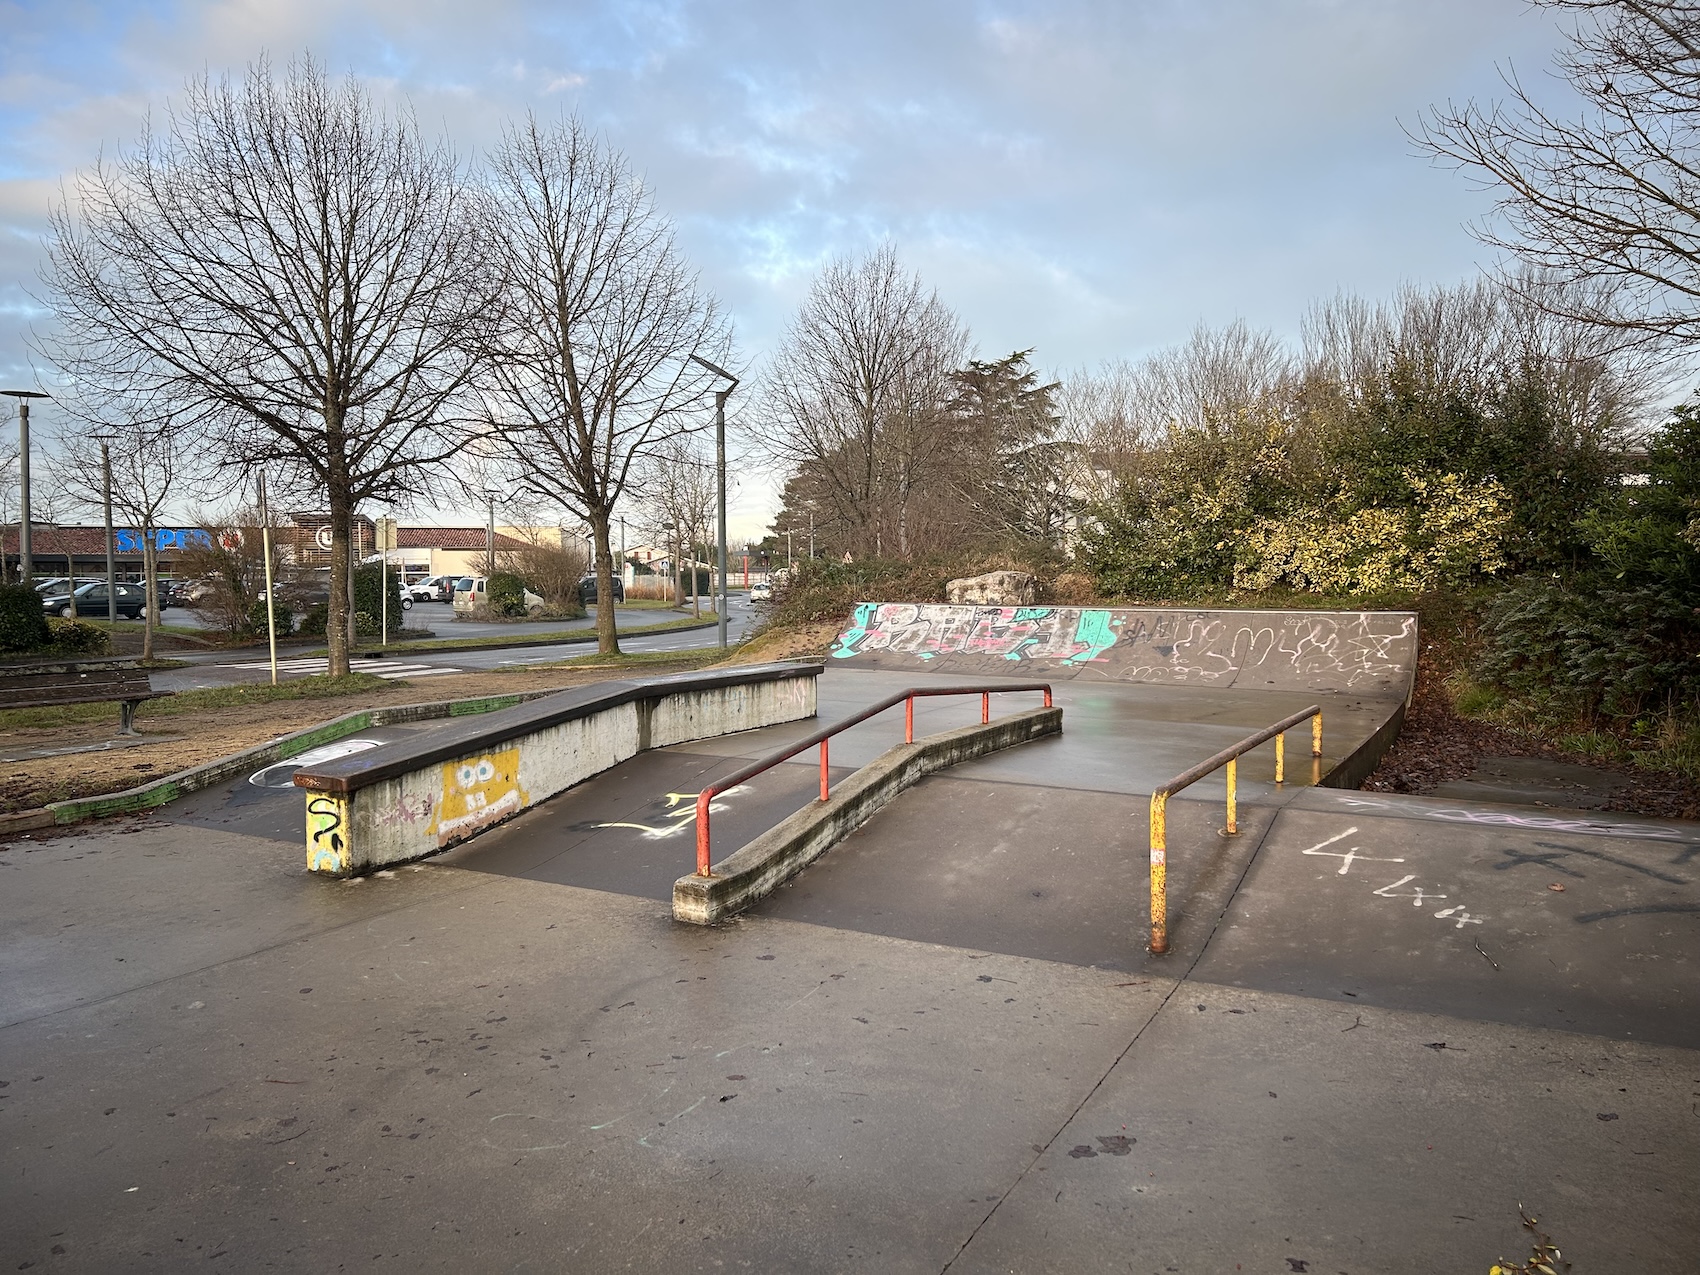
(1348, 857)
(677, 811)
(1416, 895)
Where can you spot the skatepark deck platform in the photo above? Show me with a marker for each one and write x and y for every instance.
(943, 1048)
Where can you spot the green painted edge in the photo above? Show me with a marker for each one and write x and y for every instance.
(170, 787)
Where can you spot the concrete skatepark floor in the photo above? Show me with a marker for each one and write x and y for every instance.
(942, 1048)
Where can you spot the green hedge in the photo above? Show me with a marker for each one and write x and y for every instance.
(23, 625)
(77, 637)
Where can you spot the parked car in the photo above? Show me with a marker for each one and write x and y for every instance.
(91, 602)
(433, 589)
(761, 591)
(587, 590)
(471, 594)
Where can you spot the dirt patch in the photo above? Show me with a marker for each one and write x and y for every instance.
(177, 742)
(1437, 746)
(793, 643)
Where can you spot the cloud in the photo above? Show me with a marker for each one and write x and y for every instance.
(1088, 178)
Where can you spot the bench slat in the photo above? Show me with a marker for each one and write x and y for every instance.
(84, 699)
(94, 677)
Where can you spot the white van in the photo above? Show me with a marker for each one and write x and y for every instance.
(471, 595)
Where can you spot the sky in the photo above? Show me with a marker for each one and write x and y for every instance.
(1089, 180)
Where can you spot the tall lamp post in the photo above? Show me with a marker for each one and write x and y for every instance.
(105, 438)
(720, 397)
(490, 494)
(26, 567)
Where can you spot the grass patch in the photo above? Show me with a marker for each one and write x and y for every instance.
(301, 688)
(695, 658)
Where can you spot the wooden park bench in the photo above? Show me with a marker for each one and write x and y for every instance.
(78, 682)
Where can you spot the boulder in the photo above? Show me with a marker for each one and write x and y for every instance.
(994, 589)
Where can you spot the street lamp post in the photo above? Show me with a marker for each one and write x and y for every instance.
(105, 439)
(490, 495)
(720, 397)
(26, 567)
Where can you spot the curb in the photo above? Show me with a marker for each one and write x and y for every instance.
(755, 870)
(168, 788)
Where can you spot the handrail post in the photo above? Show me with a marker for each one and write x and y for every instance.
(825, 781)
(705, 799)
(985, 707)
(1281, 757)
(1233, 828)
(1316, 735)
(909, 720)
(1048, 703)
(1159, 874)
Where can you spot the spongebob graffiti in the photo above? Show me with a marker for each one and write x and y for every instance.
(327, 834)
(477, 792)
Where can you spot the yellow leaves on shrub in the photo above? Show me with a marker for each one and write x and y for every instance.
(1453, 529)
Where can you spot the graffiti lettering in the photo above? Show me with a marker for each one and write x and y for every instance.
(327, 844)
(1143, 646)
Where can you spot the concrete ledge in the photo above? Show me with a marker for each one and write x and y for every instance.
(1358, 765)
(413, 798)
(168, 788)
(755, 871)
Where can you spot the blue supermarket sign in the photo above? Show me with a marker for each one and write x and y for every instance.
(127, 540)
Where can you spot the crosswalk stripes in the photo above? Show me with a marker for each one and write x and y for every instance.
(392, 670)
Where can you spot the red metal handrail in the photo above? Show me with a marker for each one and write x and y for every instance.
(906, 698)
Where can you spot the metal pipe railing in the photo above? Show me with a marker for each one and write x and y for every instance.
(1229, 758)
(820, 737)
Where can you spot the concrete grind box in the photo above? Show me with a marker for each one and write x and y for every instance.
(417, 797)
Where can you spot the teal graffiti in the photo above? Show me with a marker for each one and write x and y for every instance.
(861, 620)
(1096, 631)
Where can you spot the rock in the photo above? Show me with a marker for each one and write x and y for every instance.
(994, 589)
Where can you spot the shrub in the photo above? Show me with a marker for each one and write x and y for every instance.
(283, 619)
(506, 594)
(77, 637)
(23, 626)
(314, 619)
(369, 598)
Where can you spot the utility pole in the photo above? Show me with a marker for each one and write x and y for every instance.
(720, 397)
(106, 502)
(266, 550)
(490, 538)
(811, 535)
(26, 567)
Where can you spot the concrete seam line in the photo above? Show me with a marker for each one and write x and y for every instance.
(167, 788)
(756, 869)
(1128, 1048)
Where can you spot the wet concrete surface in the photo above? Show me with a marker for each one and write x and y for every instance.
(905, 1062)
(1507, 924)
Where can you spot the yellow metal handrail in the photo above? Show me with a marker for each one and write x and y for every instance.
(1228, 757)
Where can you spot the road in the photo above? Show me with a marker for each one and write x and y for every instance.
(229, 668)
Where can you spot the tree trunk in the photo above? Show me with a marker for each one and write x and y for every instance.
(607, 636)
(677, 550)
(339, 616)
(150, 582)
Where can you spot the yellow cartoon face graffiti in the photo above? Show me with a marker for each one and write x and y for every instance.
(477, 792)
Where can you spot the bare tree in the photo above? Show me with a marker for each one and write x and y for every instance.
(679, 500)
(151, 462)
(854, 394)
(589, 371)
(1611, 200)
(297, 270)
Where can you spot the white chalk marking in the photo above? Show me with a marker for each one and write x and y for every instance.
(1348, 858)
(1416, 898)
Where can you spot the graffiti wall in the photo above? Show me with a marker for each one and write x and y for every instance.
(1371, 651)
(477, 792)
